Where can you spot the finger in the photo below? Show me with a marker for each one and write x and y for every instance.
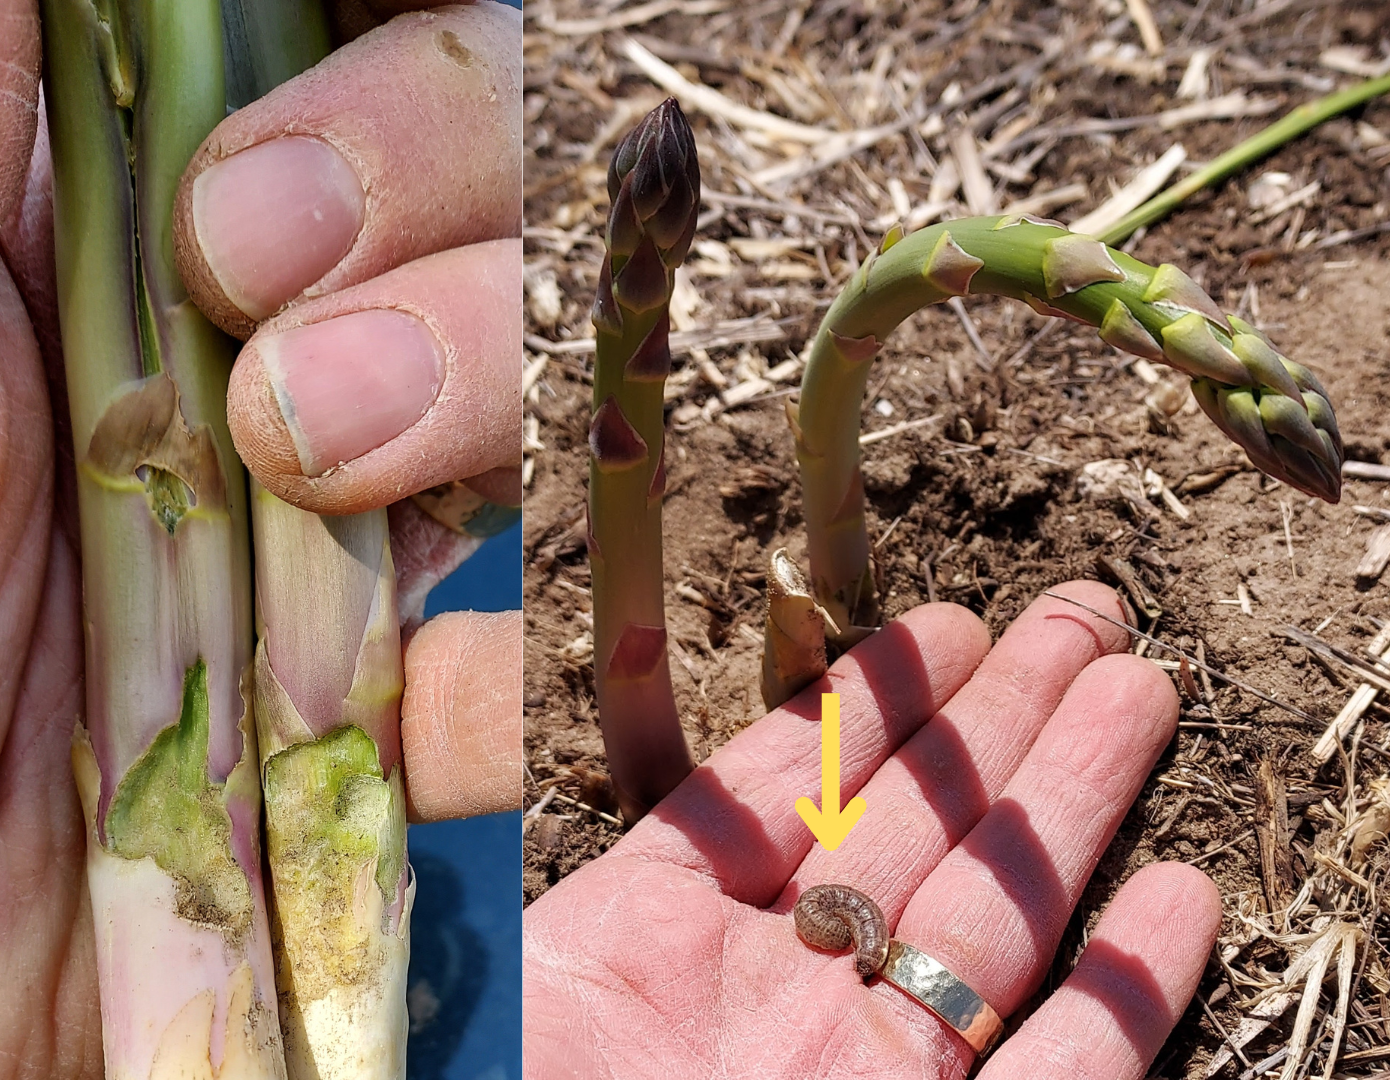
(403, 143)
(1138, 974)
(349, 402)
(501, 485)
(19, 97)
(994, 910)
(26, 240)
(461, 715)
(51, 942)
(386, 9)
(943, 779)
(734, 819)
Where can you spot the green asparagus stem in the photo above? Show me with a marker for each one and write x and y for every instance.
(793, 632)
(1273, 408)
(328, 681)
(1304, 117)
(166, 762)
(328, 695)
(267, 42)
(654, 184)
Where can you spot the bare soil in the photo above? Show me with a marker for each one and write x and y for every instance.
(982, 506)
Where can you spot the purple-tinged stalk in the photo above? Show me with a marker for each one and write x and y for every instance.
(1273, 408)
(654, 185)
(166, 764)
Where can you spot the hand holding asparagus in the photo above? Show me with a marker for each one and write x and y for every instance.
(152, 452)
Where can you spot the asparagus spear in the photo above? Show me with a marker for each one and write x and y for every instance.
(328, 695)
(267, 42)
(328, 683)
(166, 764)
(1272, 407)
(654, 185)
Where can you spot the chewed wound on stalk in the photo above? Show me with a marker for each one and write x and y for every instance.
(166, 808)
(335, 831)
(143, 443)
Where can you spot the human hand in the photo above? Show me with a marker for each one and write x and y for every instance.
(361, 225)
(674, 954)
(50, 1025)
(460, 719)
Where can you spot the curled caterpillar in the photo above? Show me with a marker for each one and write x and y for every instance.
(835, 917)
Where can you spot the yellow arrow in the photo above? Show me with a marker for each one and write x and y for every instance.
(830, 824)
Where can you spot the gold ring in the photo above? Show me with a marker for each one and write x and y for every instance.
(929, 982)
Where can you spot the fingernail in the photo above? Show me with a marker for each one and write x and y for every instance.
(350, 384)
(274, 218)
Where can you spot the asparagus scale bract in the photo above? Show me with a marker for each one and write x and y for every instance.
(328, 683)
(654, 185)
(1273, 408)
(166, 765)
(793, 632)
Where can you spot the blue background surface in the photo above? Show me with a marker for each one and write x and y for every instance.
(466, 930)
(465, 954)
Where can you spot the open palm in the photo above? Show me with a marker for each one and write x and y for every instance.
(49, 1022)
(674, 955)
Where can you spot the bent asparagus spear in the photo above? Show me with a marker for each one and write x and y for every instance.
(166, 764)
(1273, 408)
(328, 683)
(654, 185)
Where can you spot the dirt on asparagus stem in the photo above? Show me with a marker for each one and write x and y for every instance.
(976, 475)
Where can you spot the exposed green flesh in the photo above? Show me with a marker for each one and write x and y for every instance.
(167, 809)
(168, 496)
(328, 808)
(333, 824)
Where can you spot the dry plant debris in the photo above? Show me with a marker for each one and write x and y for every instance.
(1004, 454)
